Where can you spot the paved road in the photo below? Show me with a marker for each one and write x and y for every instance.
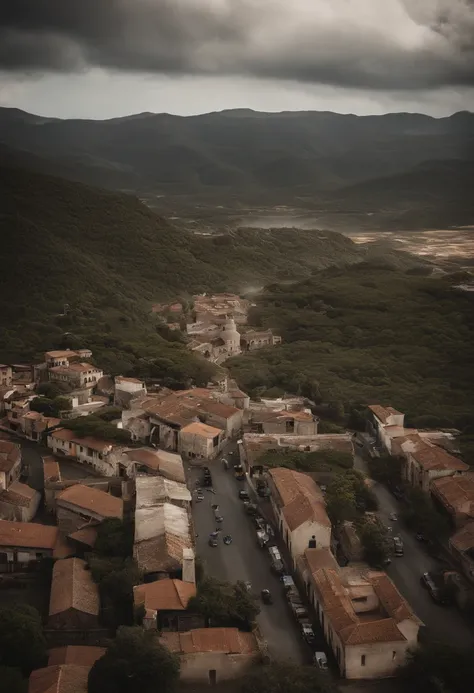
(443, 623)
(244, 560)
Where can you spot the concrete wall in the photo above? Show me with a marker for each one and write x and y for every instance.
(301, 536)
(197, 667)
(194, 445)
(17, 513)
(6, 479)
(306, 428)
(73, 619)
(231, 426)
(379, 660)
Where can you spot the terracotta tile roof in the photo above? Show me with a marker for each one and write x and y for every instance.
(92, 500)
(164, 594)
(225, 640)
(65, 678)
(85, 535)
(161, 554)
(60, 354)
(51, 469)
(463, 540)
(169, 464)
(75, 368)
(201, 429)
(392, 601)
(369, 632)
(320, 558)
(456, 493)
(301, 498)
(72, 587)
(88, 441)
(28, 535)
(81, 655)
(383, 413)
(183, 407)
(10, 455)
(121, 379)
(433, 457)
(19, 494)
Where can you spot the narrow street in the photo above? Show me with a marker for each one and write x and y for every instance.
(443, 623)
(244, 560)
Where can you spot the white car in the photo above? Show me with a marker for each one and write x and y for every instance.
(320, 660)
(393, 517)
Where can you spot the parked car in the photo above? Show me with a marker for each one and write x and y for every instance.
(251, 509)
(213, 539)
(308, 633)
(277, 563)
(262, 538)
(320, 660)
(199, 496)
(207, 480)
(435, 592)
(420, 537)
(266, 597)
(287, 581)
(398, 546)
(244, 495)
(393, 517)
(227, 539)
(217, 516)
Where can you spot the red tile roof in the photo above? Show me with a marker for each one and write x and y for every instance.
(456, 493)
(463, 540)
(66, 678)
(383, 413)
(164, 594)
(301, 498)
(201, 429)
(10, 455)
(224, 640)
(72, 587)
(20, 495)
(81, 655)
(92, 500)
(28, 535)
(51, 470)
(88, 441)
(431, 457)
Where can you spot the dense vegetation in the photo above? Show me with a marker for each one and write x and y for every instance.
(319, 461)
(367, 334)
(224, 604)
(107, 258)
(348, 497)
(22, 646)
(285, 677)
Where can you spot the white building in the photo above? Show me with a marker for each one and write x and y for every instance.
(300, 510)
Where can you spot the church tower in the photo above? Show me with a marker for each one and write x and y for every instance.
(231, 337)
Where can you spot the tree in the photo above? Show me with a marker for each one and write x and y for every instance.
(114, 538)
(22, 645)
(440, 667)
(53, 390)
(135, 662)
(375, 541)
(51, 407)
(423, 517)
(224, 604)
(116, 578)
(287, 678)
(12, 681)
(386, 469)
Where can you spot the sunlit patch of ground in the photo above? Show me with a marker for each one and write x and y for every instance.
(437, 243)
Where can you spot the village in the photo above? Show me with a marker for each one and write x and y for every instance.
(214, 483)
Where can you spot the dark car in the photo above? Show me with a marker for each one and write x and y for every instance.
(251, 509)
(243, 494)
(213, 539)
(207, 480)
(267, 597)
(436, 593)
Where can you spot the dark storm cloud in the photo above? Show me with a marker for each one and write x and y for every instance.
(374, 44)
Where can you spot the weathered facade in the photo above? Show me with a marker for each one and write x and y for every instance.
(200, 441)
(78, 505)
(10, 463)
(101, 455)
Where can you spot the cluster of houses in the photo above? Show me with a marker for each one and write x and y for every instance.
(430, 463)
(218, 327)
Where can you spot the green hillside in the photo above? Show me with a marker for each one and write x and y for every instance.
(109, 257)
(369, 333)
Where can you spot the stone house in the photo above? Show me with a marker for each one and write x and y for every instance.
(166, 603)
(101, 455)
(454, 496)
(78, 505)
(10, 463)
(34, 425)
(154, 462)
(127, 389)
(76, 374)
(297, 423)
(63, 357)
(212, 655)
(300, 510)
(19, 502)
(368, 625)
(252, 340)
(382, 417)
(425, 462)
(22, 543)
(162, 533)
(6, 375)
(461, 546)
(74, 600)
(200, 441)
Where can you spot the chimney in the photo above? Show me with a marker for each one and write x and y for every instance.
(312, 542)
(189, 568)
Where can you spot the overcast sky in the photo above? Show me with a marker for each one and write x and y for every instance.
(105, 58)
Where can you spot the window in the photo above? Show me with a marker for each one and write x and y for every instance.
(362, 661)
(39, 556)
(394, 654)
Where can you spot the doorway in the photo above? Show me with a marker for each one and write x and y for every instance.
(212, 677)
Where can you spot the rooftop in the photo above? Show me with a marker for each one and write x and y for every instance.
(81, 655)
(456, 493)
(85, 535)
(183, 407)
(122, 379)
(301, 498)
(168, 464)
(155, 521)
(224, 640)
(10, 455)
(432, 457)
(28, 535)
(383, 413)
(162, 553)
(65, 678)
(164, 595)
(72, 587)
(200, 429)
(256, 444)
(155, 489)
(61, 354)
(88, 441)
(463, 539)
(20, 495)
(51, 470)
(92, 500)
(75, 368)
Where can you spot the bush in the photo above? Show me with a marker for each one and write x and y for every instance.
(224, 604)
(319, 461)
